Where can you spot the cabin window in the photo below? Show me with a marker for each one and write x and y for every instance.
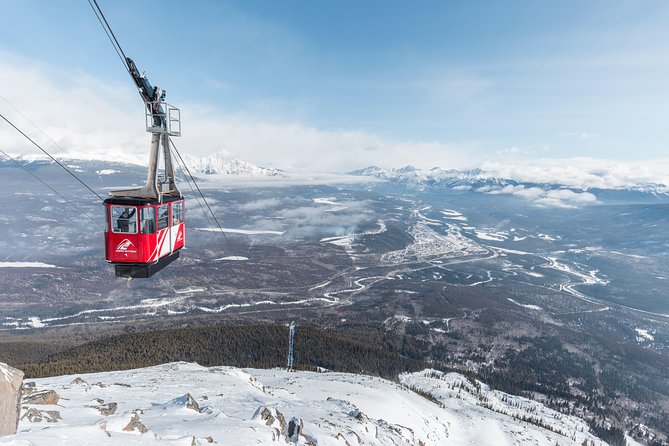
(163, 216)
(177, 212)
(124, 219)
(147, 218)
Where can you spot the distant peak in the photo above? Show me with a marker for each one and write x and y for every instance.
(222, 163)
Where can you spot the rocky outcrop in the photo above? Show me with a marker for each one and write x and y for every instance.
(295, 426)
(35, 415)
(105, 409)
(108, 409)
(42, 398)
(10, 398)
(136, 425)
(27, 388)
(191, 403)
(271, 417)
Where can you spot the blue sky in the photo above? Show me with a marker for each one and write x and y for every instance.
(340, 84)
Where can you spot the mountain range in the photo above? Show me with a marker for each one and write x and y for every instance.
(481, 180)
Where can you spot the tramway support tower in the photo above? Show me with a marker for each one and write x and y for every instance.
(145, 227)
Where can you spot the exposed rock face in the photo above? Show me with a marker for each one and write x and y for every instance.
(136, 425)
(105, 409)
(295, 426)
(108, 409)
(191, 403)
(42, 398)
(36, 415)
(271, 417)
(27, 388)
(10, 398)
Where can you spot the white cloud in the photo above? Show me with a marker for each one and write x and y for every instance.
(564, 198)
(258, 205)
(92, 119)
(515, 151)
(580, 135)
(584, 173)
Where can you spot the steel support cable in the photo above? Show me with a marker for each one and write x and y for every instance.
(49, 155)
(183, 171)
(33, 124)
(50, 188)
(110, 34)
(184, 168)
(202, 195)
(181, 163)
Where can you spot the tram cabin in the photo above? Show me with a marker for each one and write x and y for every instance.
(142, 236)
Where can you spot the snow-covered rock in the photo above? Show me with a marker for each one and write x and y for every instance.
(251, 406)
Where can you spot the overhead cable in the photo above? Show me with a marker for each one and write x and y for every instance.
(49, 155)
(34, 125)
(202, 195)
(47, 185)
(110, 34)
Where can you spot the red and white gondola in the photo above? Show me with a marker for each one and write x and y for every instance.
(145, 227)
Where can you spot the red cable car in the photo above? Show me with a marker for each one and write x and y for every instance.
(145, 228)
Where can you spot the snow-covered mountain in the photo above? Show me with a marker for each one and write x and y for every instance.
(186, 404)
(542, 186)
(448, 178)
(479, 178)
(219, 163)
(223, 163)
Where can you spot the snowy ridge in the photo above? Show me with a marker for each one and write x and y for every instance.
(186, 404)
(222, 163)
(509, 180)
(451, 178)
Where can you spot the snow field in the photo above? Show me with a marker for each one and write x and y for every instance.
(186, 404)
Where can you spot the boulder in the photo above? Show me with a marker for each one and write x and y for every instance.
(35, 416)
(10, 398)
(105, 409)
(136, 425)
(108, 409)
(295, 426)
(191, 403)
(271, 417)
(42, 398)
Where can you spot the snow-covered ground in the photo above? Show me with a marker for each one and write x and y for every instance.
(186, 404)
(241, 231)
(26, 265)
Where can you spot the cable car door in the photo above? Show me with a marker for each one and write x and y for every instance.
(164, 231)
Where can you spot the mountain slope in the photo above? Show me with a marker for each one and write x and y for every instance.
(186, 404)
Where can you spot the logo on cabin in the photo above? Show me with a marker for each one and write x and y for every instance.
(126, 246)
(180, 236)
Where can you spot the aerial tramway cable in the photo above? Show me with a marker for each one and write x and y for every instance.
(110, 34)
(49, 155)
(47, 185)
(202, 195)
(33, 124)
(192, 189)
(121, 54)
